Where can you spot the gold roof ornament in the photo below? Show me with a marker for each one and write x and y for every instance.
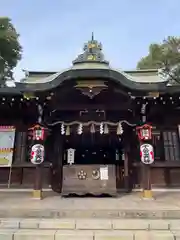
(92, 53)
(153, 94)
(91, 88)
(28, 95)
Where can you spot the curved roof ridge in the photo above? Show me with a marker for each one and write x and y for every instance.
(128, 76)
(45, 79)
(142, 70)
(136, 78)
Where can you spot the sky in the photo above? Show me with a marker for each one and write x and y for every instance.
(52, 33)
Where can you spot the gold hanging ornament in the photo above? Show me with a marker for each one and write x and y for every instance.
(106, 129)
(68, 131)
(92, 129)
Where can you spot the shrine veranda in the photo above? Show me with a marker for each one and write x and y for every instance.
(90, 129)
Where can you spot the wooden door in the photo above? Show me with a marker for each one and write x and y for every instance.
(119, 177)
(57, 163)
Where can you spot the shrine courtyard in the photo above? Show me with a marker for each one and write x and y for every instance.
(21, 205)
(126, 217)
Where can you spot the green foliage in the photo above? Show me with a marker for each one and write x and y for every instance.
(10, 49)
(153, 59)
(164, 56)
(160, 55)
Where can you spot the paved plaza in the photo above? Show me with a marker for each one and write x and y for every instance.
(131, 205)
(125, 201)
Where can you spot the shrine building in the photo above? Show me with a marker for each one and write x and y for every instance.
(90, 129)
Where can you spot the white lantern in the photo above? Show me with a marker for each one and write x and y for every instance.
(37, 154)
(147, 153)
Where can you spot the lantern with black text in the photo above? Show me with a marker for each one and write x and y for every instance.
(147, 153)
(144, 132)
(37, 154)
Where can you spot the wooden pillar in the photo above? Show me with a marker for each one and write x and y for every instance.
(60, 159)
(146, 174)
(146, 178)
(126, 149)
(57, 163)
(20, 148)
(126, 171)
(37, 192)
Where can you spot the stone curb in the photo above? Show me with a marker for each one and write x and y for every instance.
(119, 214)
(91, 224)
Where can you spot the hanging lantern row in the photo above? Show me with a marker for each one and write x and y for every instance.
(7, 128)
(24, 98)
(155, 102)
(27, 96)
(156, 97)
(103, 128)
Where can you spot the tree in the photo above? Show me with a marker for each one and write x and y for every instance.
(10, 48)
(165, 57)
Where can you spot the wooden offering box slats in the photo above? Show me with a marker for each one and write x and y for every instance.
(89, 179)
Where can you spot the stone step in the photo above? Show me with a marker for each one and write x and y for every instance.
(39, 234)
(91, 224)
(89, 229)
(90, 213)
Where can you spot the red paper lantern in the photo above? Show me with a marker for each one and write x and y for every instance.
(144, 132)
(38, 132)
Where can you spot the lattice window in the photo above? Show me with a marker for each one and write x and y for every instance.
(158, 145)
(21, 147)
(171, 145)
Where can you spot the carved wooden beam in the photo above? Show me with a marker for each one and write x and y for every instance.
(79, 107)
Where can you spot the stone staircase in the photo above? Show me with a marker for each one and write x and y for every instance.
(21, 213)
(89, 229)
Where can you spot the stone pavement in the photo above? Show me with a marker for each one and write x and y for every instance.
(89, 229)
(21, 205)
(24, 200)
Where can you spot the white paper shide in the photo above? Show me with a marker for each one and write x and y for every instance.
(104, 173)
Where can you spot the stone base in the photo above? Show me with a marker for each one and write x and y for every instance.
(147, 194)
(37, 194)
